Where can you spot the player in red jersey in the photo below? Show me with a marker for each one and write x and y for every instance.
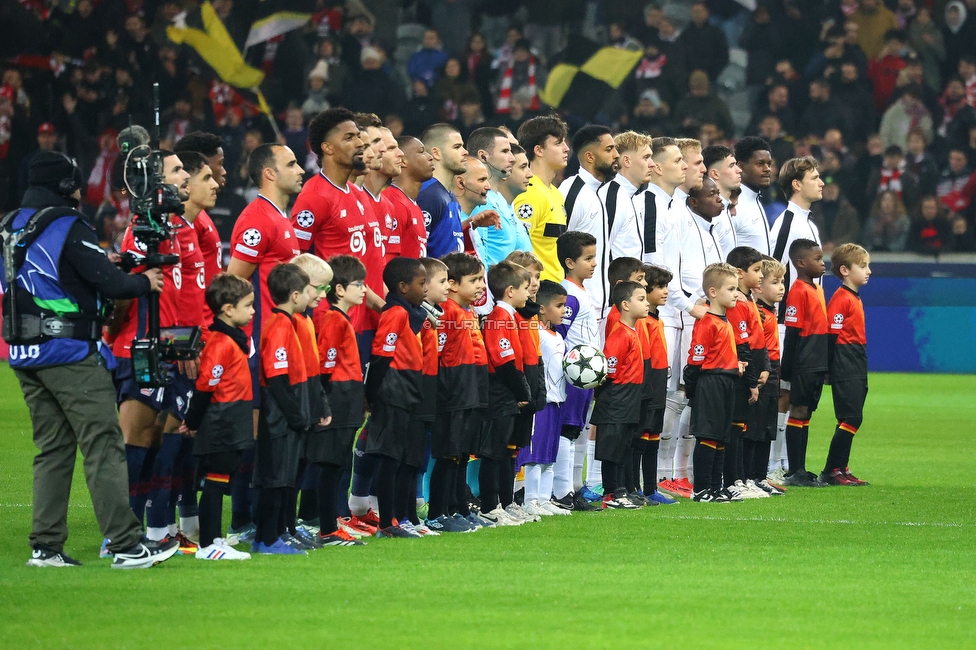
(417, 168)
(391, 164)
(329, 216)
(262, 239)
(209, 145)
(138, 408)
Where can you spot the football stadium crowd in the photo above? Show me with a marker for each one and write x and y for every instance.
(439, 294)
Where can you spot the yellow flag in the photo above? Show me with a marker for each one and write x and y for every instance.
(216, 47)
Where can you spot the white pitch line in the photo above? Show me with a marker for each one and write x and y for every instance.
(781, 520)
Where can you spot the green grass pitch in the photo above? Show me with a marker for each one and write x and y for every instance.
(890, 565)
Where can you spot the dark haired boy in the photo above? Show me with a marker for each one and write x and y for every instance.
(536, 459)
(507, 389)
(804, 358)
(341, 377)
(617, 411)
(750, 344)
(394, 384)
(284, 415)
(219, 414)
(656, 367)
(462, 396)
(710, 377)
(577, 256)
(847, 359)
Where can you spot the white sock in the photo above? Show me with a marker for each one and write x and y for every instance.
(579, 456)
(562, 483)
(358, 506)
(781, 457)
(190, 526)
(374, 505)
(533, 473)
(676, 403)
(172, 529)
(594, 467)
(546, 477)
(665, 459)
(156, 534)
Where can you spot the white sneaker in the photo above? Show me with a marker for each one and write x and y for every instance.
(743, 490)
(519, 512)
(758, 491)
(499, 517)
(554, 509)
(220, 550)
(533, 508)
(777, 476)
(769, 488)
(424, 530)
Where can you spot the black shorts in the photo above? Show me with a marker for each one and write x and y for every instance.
(387, 431)
(614, 442)
(222, 463)
(415, 443)
(456, 433)
(495, 436)
(711, 408)
(849, 396)
(653, 420)
(522, 430)
(331, 446)
(766, 416)
(276, 460)
(806, 389)
(161, 399)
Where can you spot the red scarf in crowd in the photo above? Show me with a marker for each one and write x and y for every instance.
(891, 180)
(505, 94)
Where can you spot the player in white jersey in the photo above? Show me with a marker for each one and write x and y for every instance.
(803, 187)
(721, 167)
(623, 199)
(598, 163)
(750, 223)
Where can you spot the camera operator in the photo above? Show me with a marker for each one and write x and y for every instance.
(142, 412)
(52, 318)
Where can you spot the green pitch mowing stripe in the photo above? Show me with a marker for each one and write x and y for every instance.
(885, 566)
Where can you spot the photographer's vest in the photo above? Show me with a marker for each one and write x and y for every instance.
(52, 330)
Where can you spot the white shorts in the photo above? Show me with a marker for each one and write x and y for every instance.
(679, 344)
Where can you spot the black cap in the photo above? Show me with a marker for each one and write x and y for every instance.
(55, 171)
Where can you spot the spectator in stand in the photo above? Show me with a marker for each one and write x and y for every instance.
(762, 41)
(963, 237)
(427, 62)
(823, 112)
(780, 145)
(372, 90)
(421, 111)
(650, 114)
(658, 73)
(523, 73)
(914, 75)
(359, 27)
(317, 99)
(903, 116)
(503, 57)
(835, 217)
(332, 68)
(883, 70)
(954, 178)
(99, 186)
(957, 32)
(894, 176)
(874, 21)
(887, 227)
(777, 102)
(449, 89)
(920, 163)
(852, 90)
(182, 121)
(519, 111)
(477, 67)
(619, 38)
(470, 116)
(967, 72)
(295, 134)
(931, 231)
(705, 44)
(926, 39)
(826, 63)
(700, 107)
(958, 117)
(852, 46)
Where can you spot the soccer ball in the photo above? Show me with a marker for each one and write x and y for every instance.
(585, 366)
